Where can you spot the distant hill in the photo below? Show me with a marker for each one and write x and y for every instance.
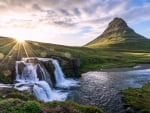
(119, 35)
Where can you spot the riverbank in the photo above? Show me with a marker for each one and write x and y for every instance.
(137, 99)
(137, 67)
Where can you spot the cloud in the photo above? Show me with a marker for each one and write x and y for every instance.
(82, 20)
(136, 14)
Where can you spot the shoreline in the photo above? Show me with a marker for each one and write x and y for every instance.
(137, 67)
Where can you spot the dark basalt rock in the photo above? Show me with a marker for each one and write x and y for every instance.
(130, 110)
(32, 61)
(21, 68)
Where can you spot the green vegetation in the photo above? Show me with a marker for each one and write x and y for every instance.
(138, 98)
(91, 59)
(4, 79)
(23, 102)
(18, 106)
(14, 93)
(76, 107)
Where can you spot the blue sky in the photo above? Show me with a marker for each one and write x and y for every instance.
(69, 22)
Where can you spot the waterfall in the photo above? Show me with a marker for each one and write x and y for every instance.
(35, 78)
(61, 81)
(59, 75)
(42, 91)
(28, 80)
(45, 74)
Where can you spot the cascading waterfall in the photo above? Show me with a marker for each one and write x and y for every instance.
(42, 91)
(59, 75)
(61, 81)
(46, 75)
(29, 80)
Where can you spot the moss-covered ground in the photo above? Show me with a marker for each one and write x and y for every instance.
(13, 101)
(138, 98)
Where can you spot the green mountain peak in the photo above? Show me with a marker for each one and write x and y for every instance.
(117, 32)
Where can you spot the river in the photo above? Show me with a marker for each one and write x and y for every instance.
(103, 88)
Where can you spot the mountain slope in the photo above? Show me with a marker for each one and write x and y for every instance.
(119, 35)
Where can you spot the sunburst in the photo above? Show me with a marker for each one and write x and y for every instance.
(20, 39)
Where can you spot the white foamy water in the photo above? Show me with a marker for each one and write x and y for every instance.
(28, 79)
(61, 81)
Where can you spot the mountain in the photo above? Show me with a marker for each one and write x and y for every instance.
(119, 35)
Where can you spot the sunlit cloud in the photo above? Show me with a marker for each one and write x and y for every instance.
(67, 22)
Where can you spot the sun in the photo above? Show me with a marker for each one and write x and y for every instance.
(20, 40)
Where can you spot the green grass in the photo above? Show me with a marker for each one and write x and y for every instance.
(138, 98)
(91, 58)
(13, 101)
(18, 106)
(76, 107)
(4, 79)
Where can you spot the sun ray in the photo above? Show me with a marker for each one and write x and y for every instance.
(6, 58)
(19, 49)
(25, 49)
(33, 52)
(6, 45)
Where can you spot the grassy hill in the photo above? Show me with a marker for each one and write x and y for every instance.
(91, 59)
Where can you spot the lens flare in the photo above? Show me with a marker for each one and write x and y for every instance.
(19, 39)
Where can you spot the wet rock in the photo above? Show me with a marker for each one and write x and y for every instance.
(50, 68)
(39, 72)
(32, 61)
(58, 109)
(21, 68)
(130, 110)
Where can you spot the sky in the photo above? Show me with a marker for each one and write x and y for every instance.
(69, 22)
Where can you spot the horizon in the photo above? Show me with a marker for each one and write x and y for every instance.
(75, 25)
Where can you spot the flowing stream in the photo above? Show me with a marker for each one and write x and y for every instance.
(103, 88)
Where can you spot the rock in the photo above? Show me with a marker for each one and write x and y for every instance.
(21, 68)
(50, 69)
(39, 72)
(32, 60)
(130, 110)
(58, 109)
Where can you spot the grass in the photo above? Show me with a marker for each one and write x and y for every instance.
(138, 98)
(76, 107)
(24, 102)
(4, 79)
(91, 58)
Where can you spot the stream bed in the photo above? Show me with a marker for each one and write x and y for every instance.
(103, 88)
